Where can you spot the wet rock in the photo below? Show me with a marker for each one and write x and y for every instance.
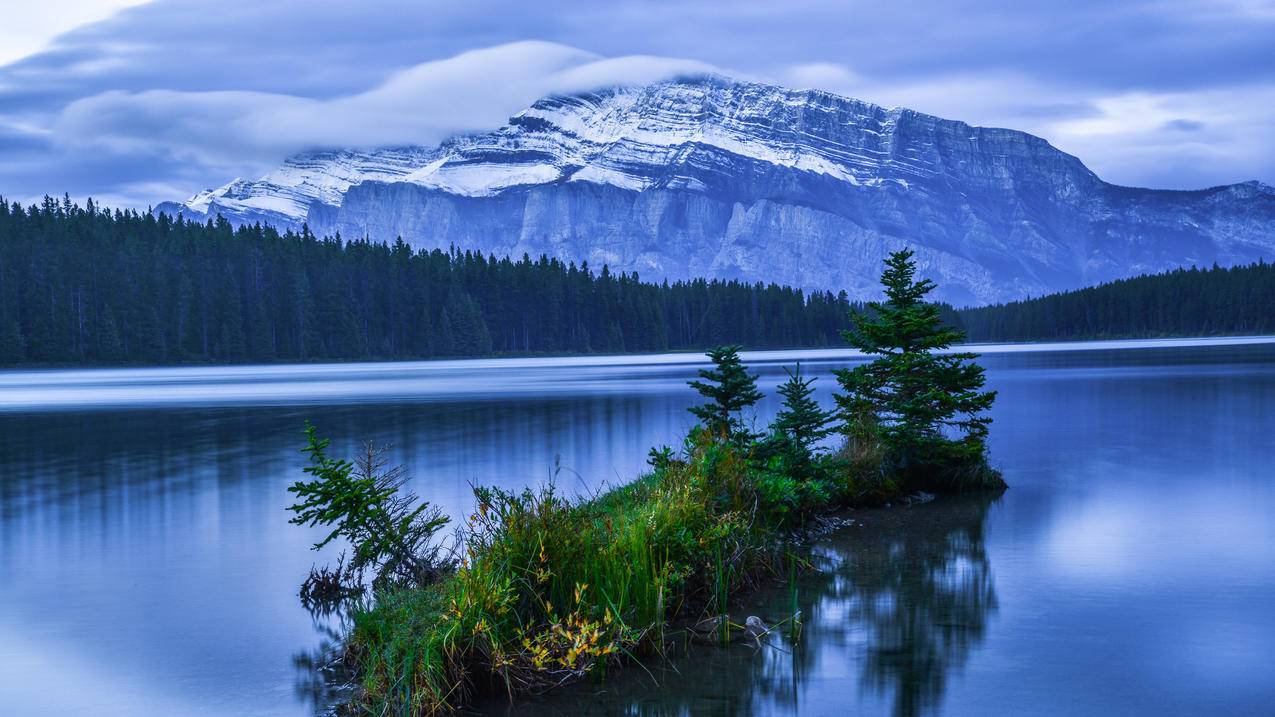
(918, 498)
(755, 627)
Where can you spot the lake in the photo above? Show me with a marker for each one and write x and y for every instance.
(147, 565)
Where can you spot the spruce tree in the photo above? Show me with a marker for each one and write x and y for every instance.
(362, 502)
(444, 339)
(150, 339)
(730, 389)
(12, 345)
(801, 421)
(184, 291)
(926, 408)
(110, 348)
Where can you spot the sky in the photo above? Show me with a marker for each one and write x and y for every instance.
(136, 102)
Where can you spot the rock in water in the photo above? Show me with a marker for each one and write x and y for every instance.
(755, 626)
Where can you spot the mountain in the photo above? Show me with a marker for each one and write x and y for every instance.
(709, 176)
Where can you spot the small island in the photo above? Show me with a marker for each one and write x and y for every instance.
(538, 590)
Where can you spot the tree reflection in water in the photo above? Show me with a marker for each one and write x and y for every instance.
(921, 587)
(322, 680)
(897, 602)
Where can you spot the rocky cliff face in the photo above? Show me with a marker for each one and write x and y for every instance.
(719, 178)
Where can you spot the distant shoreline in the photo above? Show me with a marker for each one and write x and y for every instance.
(484, 379)
(983, 347)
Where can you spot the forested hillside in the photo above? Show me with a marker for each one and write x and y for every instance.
(87, 286)
(1185, 302)
(81, 285)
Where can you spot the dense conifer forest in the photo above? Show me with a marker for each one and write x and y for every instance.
(81, 285)
(1184, 302)
(87, 286)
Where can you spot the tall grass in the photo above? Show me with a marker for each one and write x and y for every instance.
(551, 590)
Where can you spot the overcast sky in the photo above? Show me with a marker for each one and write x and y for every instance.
(135, 103)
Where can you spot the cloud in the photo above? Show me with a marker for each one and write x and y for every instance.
(188, 93)
(423, 104)
(1184, 125)
(15, 139)
(1183, 140)
(26, 31)
(1138, 138)
(827, 76)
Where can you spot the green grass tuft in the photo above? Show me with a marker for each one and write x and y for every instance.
(551, 590)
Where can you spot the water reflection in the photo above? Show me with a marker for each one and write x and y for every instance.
(323, 681)
(147, 559)
(895, 606)
(153, 547)
(922, 587)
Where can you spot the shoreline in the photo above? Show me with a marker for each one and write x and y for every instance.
(281, 385)
(946, 524)
(591, 359)
(597, 585)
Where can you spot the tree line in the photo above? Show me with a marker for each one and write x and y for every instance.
(88, 286)
(1183, 302)
(84, 285)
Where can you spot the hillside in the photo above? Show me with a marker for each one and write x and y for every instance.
(721, 178)
(86, 286)
(1219, 301)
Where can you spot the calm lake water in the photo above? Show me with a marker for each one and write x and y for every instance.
(147, 566)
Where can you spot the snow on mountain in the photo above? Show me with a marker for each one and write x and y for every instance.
(284, 195)
(709, 176)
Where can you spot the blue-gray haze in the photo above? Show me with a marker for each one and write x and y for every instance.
(174, 96)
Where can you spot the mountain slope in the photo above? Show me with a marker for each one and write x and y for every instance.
(715, 177)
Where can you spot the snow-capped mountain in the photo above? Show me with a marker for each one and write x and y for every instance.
(715, 177)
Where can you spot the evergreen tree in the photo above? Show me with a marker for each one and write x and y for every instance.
(363, 503)
(445, 343)
(927, 408)
(109, 346)
(150, 337)
(1182, 302)
(470, 336)
(615, 338)
(181, 291)
(12, 346)
(300, 303)
(730, 389)
(801, 421)
(424, 333)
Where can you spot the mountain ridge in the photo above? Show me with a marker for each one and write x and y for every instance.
(717, 177)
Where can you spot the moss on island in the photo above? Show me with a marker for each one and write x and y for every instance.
(547, 590)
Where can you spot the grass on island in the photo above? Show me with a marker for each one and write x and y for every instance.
(549, 590)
